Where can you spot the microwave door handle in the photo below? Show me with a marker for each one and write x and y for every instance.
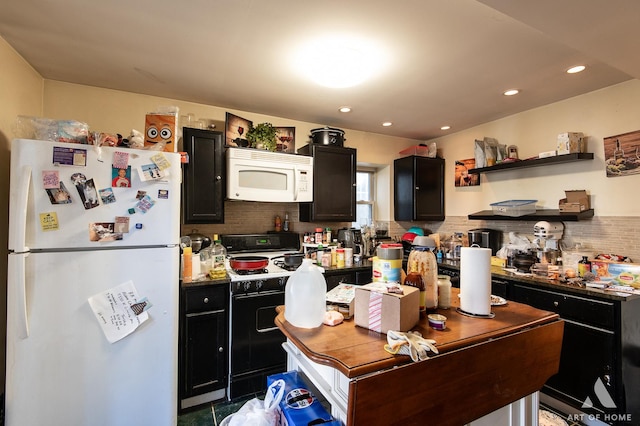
(295, 183)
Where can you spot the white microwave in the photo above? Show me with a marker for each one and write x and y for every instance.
(259, 175)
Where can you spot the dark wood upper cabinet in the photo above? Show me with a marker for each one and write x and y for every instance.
(334, 184)
(418, 188)
(203, 182)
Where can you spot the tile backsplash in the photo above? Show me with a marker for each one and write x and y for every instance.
(611, 234)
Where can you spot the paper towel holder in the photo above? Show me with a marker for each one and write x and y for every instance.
(470, 314)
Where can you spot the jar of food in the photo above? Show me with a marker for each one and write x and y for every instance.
(428, 268)
(444, 291)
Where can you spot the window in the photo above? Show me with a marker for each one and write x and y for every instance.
(364, 197)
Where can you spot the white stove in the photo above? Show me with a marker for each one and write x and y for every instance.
(271, 271)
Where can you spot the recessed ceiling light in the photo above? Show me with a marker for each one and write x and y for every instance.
(387, 124)
(576, 69)
(445, 127)
(511, 92)
(344, 109)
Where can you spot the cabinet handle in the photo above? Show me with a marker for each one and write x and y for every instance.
(607, 379)
(220, 349)
(555, 304)
(218, 177)
(417, 188)
(205, 300)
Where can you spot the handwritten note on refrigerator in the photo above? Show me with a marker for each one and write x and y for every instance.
(113, 310)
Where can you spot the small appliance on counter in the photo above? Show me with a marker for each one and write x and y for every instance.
(486, 238)
(547, 235)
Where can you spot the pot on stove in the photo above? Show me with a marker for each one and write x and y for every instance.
(290, 259)
(248, 263)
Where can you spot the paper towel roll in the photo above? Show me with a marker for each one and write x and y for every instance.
(475, 280)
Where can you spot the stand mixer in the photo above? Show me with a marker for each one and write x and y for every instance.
(547, 235)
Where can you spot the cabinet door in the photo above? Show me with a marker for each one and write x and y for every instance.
(589, 351)
(418, 188)
(205, 353)
(334, 184)
(203, 178)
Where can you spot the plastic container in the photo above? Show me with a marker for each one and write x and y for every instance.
(187, 269)
(218, 269)
(305, 296)
(388, 263)
(514, 207)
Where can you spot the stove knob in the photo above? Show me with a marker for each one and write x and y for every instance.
(246, 285)
(259, 284)
(282, 281)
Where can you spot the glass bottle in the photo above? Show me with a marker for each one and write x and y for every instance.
(444, 291)
(414, 279)
(285, 224)
(278, 224)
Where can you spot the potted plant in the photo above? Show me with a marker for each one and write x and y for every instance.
(263, 136)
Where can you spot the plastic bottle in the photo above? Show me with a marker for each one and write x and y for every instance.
(428, 268)
(327, 235)
(444, 291)
(278, 224)
(218, 256)
(187, 269)
(305, 296)
(340, 258)
(319, 254)
(584, 266)
(414, 279)
(318, 235)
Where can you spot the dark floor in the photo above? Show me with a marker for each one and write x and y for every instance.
(212, 414)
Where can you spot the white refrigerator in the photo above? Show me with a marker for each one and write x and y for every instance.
(73, 235)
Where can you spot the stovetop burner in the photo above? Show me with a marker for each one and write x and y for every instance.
(281, 264)
(250, 271)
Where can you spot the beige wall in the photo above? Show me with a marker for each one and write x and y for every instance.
(598, 114)
(20, 94)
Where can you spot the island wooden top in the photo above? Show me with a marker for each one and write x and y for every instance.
(355, 351)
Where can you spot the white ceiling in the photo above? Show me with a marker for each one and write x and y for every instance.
(449, 60)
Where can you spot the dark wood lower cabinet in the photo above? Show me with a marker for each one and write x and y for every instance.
(203, 368)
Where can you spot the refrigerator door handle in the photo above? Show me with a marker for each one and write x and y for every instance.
(16, 279)
(18, 212)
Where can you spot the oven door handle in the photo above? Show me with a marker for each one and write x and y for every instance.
(266, 330)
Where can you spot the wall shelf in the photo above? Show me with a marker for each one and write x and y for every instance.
(535, 162)
(549, 215)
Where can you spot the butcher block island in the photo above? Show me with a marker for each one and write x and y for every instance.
(488, 371)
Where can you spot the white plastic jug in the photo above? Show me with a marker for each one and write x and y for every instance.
(305, 296)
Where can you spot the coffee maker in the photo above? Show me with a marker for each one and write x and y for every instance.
(351, 238)
(486, 238)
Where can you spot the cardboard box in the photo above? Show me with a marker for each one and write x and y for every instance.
(570, 143)
(380, 311)
(621, 273)
(496, 261)
(299, 406)
(576, 201)
(342, 298)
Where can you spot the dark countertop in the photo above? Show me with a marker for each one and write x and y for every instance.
(499, 273)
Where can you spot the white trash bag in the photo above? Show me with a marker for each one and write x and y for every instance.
(256, 412)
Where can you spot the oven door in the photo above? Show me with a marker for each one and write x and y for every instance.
(256, 342)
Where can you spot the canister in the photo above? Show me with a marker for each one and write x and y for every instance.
(340, 258)
(348, 257)
(388, 263)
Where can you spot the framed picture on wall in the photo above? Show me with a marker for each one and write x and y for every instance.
(286, 139)
(622, 154)
(236, 129)
(463, 177)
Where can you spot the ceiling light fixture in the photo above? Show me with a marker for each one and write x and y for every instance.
(339, 61)
(445, 127)
(387, 124)
(576, 69)
(344, 109)
(511, 92)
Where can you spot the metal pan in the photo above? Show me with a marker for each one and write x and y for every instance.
(248, 263)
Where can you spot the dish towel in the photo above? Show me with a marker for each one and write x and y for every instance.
(410, 343)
